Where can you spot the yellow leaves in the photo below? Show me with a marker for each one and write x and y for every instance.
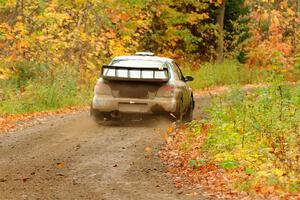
(284, 5)
(224, 156)
(270, 171)
(89, 64)
(123, 45)
(42, 38)
(275, 21)
(5, 73)
(19, 28)
(277, 172)
(55, 17)
(264, 16)
(116, 48)
(216, 1)
(4, 26)
(142, 23)
(268, 1)
(290, 12)
(110, 34)
(7, 4)
(79, 2)
(85, 37)
(194, 18)
(228, 127)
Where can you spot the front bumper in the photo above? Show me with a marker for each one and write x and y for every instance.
(105, 103)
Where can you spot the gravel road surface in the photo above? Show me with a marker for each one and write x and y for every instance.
(73, 158)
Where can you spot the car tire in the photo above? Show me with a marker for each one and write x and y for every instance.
(188, 117)
(179, 115)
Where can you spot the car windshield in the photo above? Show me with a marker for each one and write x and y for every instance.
(137, 63)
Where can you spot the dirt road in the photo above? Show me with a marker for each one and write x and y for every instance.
(73, 158)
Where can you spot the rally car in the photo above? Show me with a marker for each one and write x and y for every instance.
(142, 85)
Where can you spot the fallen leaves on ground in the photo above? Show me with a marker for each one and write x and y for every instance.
(60, 165)
(148, 149)
(190, 166)
(20, 121)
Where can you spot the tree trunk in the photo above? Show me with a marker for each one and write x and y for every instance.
(296, 28)
(19, 8)
(76, 47)
(220, 20)
(277, 3)
(22, 8)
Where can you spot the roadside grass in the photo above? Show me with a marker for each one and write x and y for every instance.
(258, 132)
(230, 73)
(252, 137)
(249, 145)
(42, 92)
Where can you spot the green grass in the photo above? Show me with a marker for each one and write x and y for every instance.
(36, 94)
(227, 73)
(257, 130)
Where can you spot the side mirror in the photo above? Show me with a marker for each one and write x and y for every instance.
(188, 78)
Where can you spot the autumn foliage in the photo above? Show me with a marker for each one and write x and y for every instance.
(248, 148)
(275, 34)
(51, 53)
(85, 34)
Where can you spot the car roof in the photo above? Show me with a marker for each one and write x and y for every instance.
(144, 58)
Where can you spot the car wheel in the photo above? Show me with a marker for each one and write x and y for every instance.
(188, 117)
(178, 115)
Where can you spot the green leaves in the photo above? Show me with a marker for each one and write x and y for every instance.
(228, 164)
(41, 4)
(258, 132)
(249, 171)
(3, 2)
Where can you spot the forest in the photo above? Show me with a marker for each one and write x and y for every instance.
(49, 38)
(51, 53)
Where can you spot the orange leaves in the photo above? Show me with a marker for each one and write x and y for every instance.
(110, 34)
(60, 165)
(269, 29)
(189, 168)
(119, 17)
(170, 129)
(242, 172)
(12, 122)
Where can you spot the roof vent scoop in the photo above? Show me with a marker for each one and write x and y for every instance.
(144, 54)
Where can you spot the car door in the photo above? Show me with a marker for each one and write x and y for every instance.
(181, 84)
